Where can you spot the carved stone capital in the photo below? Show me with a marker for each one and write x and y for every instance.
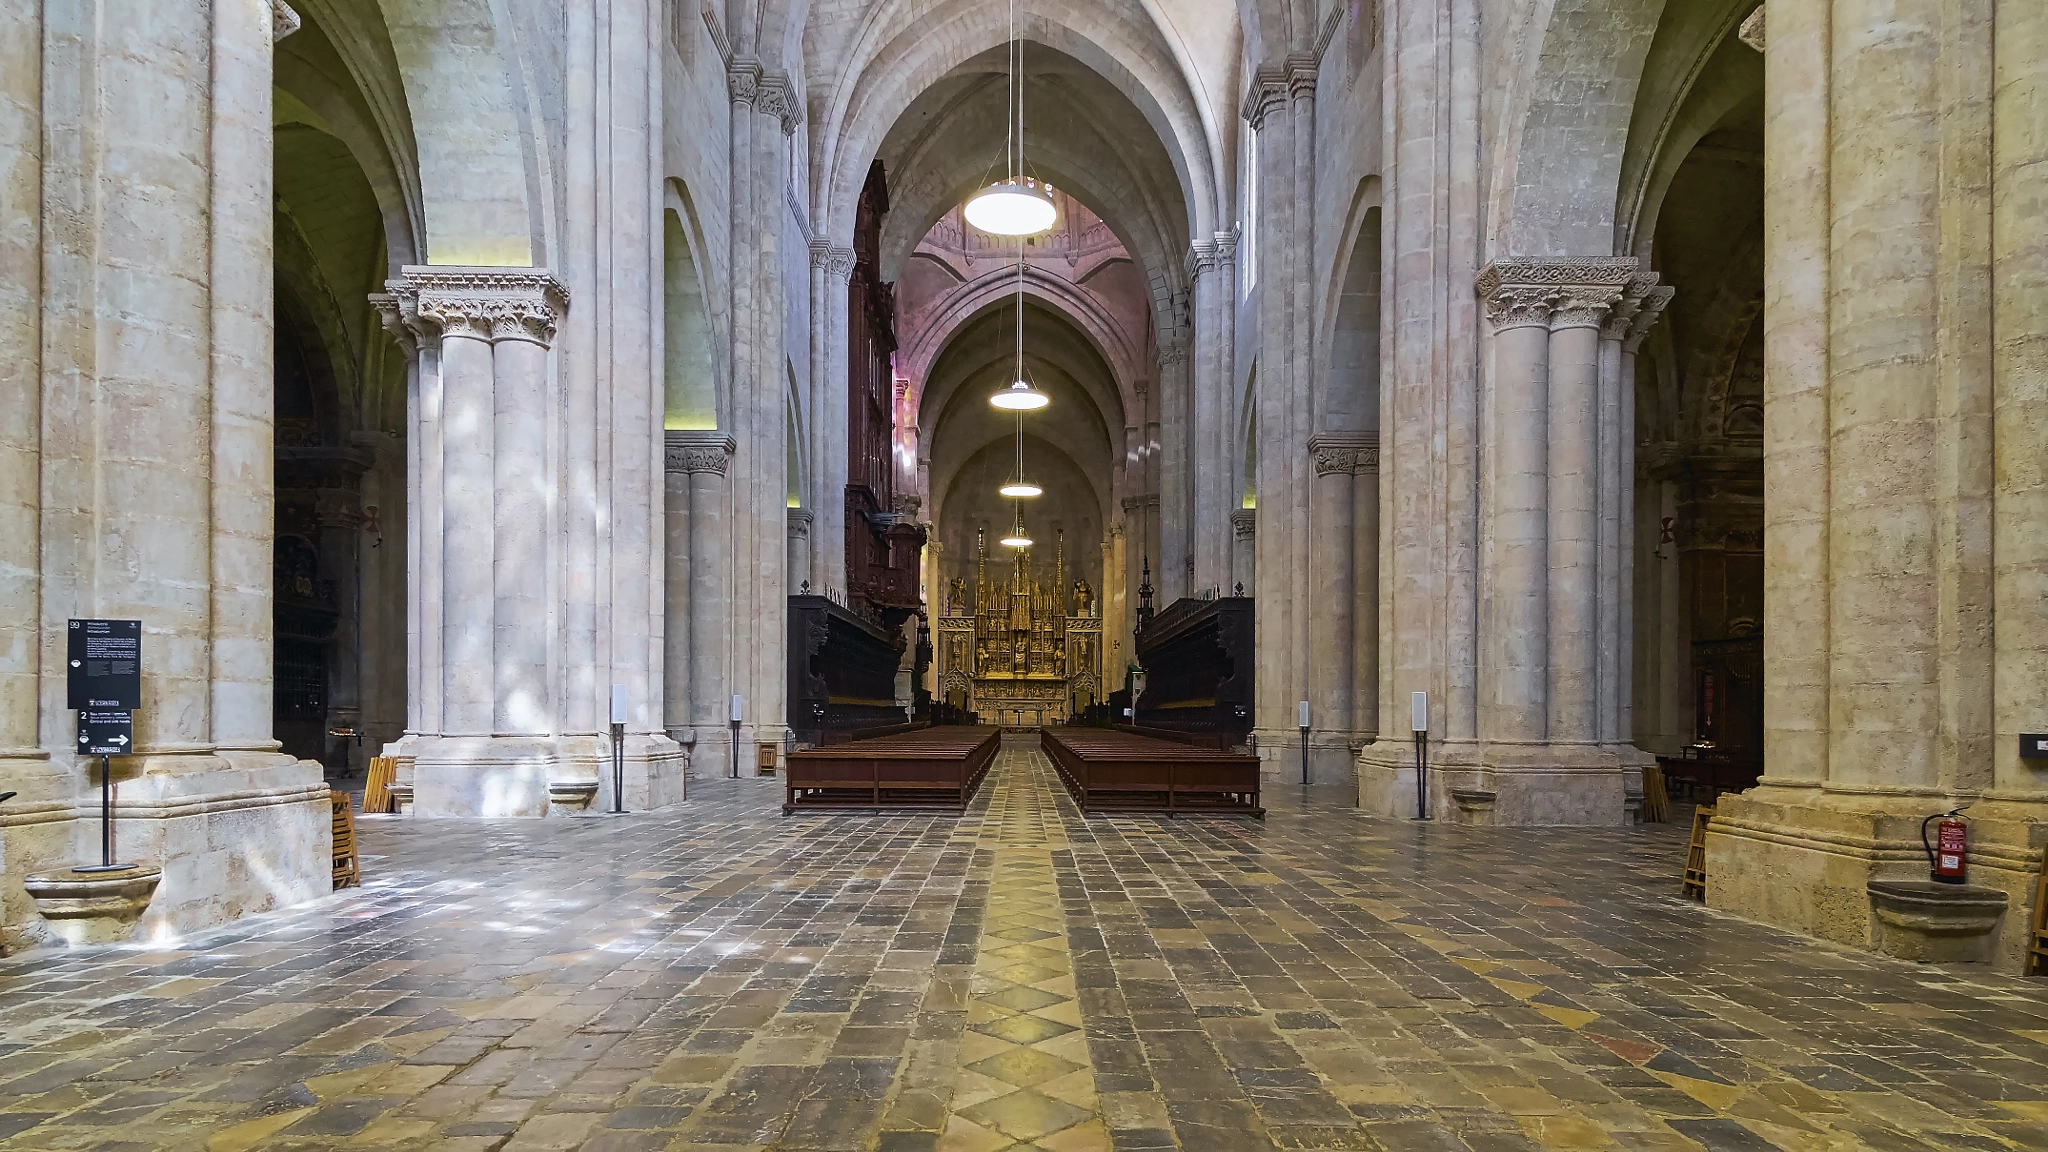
(283, 21)
(694, 452)
(1244, 523)
(1560, 293)
(1343, 453)
(841, 263)
(1650, 306)
(775, 96)
(799, 522)
(1133, 505)
(488, 304)
(1201, 258)
(1266, 93)
(1302, 68)
(743, 81)
(1583, 306)
(1519, 306)
(1173, 351)
(1752, 30)
(401, 318)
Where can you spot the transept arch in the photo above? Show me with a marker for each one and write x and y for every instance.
(893, 61)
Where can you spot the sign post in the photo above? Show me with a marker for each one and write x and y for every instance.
(1419, 706)
(1302, 717)
(103, 684)
(739, 707)
(618, 749)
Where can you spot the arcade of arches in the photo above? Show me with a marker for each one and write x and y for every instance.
(1657, 391)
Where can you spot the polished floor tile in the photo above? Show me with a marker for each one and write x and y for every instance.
(723, 977)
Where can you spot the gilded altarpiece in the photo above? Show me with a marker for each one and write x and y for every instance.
(1020, 648)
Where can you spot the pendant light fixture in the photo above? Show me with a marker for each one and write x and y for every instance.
(1017, 537)
(1019, 488)
(1016, 205)
(1020, 396)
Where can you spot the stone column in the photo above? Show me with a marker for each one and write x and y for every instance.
(1902, 462)
(831, 268)
(799, 526)
(1333, 603)
(1549, 753)
(484, 742)
(703, 458)
(136, 461)
(1576, 432)
(2018, 365)
(1365, 590)
(1429, 419)
(1280, 109)
(1244, 570)
(1208, 438)
(677, 593)
(1515, 610)
(1176, 475)
(1619, 547)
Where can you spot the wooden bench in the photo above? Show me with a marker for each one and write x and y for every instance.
(1116, 771)
(910, 768)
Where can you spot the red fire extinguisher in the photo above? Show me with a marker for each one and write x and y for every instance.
(1948, 854)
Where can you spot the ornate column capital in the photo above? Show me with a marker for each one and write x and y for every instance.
(696, 452)
(1266, 93)
(1201, 258)
(401, 318)
(283, 21)
(775, 96)
(834, 260)
(1583, 306)
(1560, 293)
(799, 523)
(1752, 30)
(1648, 307)
(743, 80)
(487, 304)
(1344, 453)
(1302, 68)
(1244, 523)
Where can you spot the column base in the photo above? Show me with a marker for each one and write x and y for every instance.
(234, 832)
(93, 907)
(1802, 857)
(711, 753)
(535, 775)
(1507, 785)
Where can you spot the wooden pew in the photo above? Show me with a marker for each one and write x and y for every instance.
(1119, 771)
(922, 769)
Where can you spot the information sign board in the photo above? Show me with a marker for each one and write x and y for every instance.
(104, 662)
(105, 733)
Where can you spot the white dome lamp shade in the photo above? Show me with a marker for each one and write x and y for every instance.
(1012, 208)
(1020, 397)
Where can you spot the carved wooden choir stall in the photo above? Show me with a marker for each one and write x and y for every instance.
(1199, 661)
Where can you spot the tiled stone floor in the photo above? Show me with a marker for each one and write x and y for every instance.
(724, 977)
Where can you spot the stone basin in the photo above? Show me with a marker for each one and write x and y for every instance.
(1934, 923)
(93, 907)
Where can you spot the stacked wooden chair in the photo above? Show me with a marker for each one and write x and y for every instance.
(347, 873)
(1695, 886)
